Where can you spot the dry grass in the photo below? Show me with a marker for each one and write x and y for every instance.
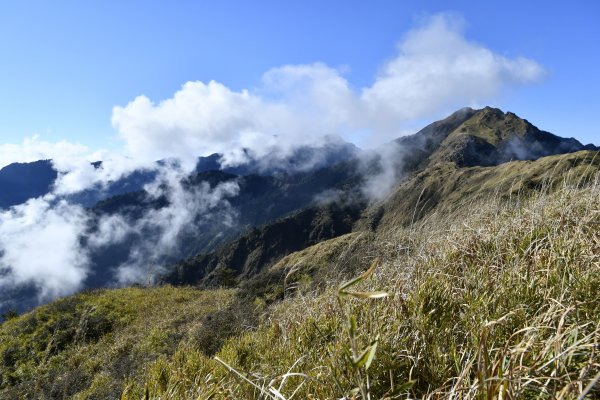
(500, 300)
(84, 346)
(497, 299)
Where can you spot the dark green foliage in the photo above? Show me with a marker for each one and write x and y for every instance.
(10, 314)
(264, 246)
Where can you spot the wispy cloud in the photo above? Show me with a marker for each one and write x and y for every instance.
(187, 209)
(438, 68)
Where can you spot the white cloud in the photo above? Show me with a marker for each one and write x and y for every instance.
(206, 118)
(33, 149)
(436, 69)
(197, 116)
(39, 244)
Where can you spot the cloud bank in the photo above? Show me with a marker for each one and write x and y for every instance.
(436, 68)
(34, 148)
(40, 245)
(49, 243)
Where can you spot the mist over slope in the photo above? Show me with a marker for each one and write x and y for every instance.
(468, 254)
(108, 227)
(149, 218)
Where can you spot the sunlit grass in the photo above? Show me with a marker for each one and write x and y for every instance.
(501, 301)
(498, 298)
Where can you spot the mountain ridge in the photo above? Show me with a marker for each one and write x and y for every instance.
(20, 182)
(428, 153)
(460, 245)
(466, 139)
(484, 137)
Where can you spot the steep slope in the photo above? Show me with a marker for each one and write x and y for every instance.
(473, 308)
(440, 192)
(445, 187)
(261, 200)
(415, 150)
(263, 246)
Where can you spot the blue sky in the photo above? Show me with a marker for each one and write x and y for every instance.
(66, 64)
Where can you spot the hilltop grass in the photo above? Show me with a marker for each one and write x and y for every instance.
(445, 187)
(500, 301)
(498, 298)
(85, 346)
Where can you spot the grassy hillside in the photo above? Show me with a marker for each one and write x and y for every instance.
(492, 293)
(87, 346)
(502, 300)
(261, 247)
(446, 187)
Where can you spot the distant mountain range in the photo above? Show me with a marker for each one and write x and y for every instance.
(287, 204)
(20, 182)
(468, 137)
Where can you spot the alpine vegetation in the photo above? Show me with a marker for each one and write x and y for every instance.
(200, 201)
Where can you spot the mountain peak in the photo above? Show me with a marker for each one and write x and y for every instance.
(490, 110)
(490, 137)
(486, 136)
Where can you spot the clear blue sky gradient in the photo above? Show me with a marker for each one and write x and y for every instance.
(65, 64)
